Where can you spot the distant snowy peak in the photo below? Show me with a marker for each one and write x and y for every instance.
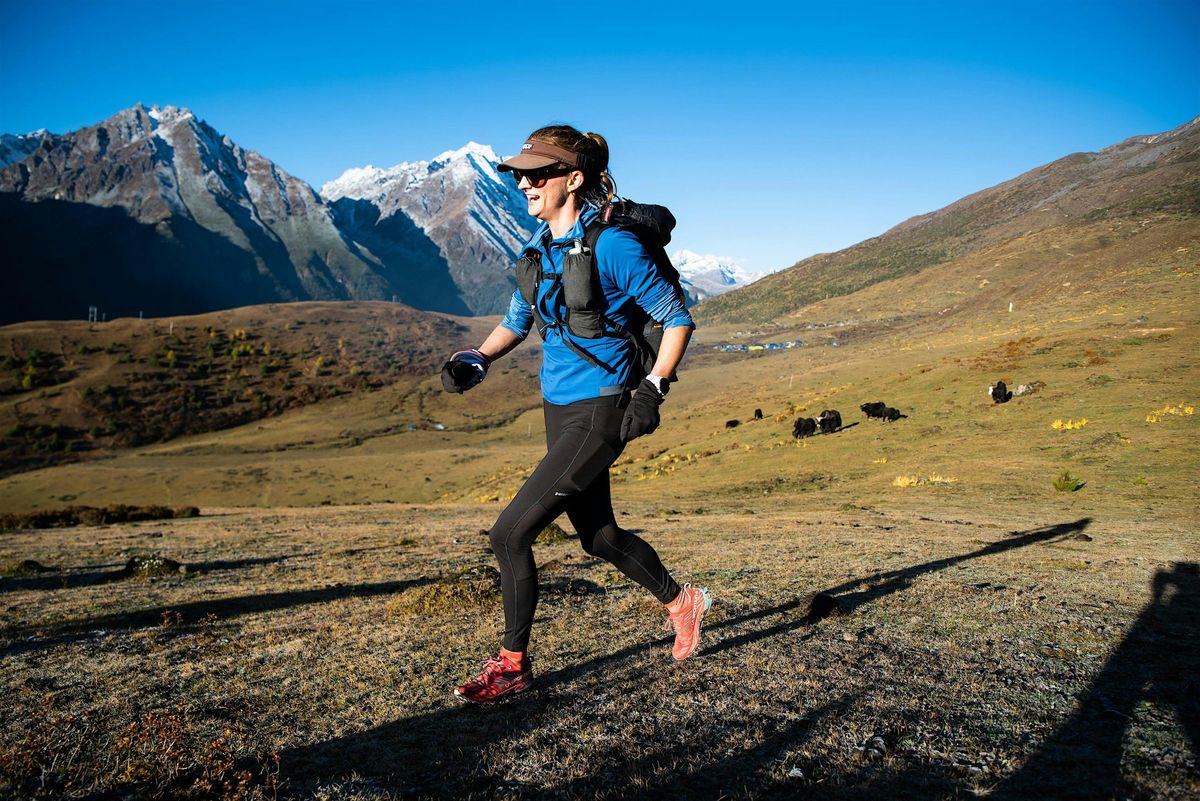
(484, 152)
(706, 276)
(373, 183)
(15, 147)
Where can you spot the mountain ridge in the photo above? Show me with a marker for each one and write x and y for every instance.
(1154, 171)
(181, 219)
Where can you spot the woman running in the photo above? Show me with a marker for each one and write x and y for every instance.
(589, 409)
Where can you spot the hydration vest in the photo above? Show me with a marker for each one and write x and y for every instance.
(584, 315)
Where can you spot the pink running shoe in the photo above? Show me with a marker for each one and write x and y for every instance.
(500, 678)
(686, 620)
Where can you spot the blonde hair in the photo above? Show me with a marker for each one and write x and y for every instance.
(598, 187)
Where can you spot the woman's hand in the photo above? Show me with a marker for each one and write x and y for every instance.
(641, 416)
(464, 370)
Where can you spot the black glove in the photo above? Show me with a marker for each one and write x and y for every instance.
(464, 370)
(641, 416)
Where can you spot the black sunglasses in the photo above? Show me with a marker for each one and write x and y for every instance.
(537, 178)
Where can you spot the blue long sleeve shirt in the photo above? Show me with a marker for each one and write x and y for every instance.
(627, 276)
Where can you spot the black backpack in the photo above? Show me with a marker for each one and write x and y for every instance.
(585, 318)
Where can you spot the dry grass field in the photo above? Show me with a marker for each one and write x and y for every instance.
(982, 632)
(310, 653)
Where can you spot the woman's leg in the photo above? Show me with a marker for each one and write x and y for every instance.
(580, 449)
(592, 516)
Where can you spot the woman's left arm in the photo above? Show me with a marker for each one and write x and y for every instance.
(674, 343)
(621, 258)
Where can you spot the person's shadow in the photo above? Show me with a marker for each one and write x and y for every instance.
(1157, 662)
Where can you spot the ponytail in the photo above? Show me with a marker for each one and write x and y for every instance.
(602, 192)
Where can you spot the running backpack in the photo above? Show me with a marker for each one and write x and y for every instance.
(585, 318)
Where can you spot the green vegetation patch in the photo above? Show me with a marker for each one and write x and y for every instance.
(1182, 199)
(153, 566)
(38, 369)
(1067, 482)
(553, 533)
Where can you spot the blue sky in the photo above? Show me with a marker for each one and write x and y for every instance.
(774, 131)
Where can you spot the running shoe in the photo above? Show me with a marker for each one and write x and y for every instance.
(500, 678)
(686, 621)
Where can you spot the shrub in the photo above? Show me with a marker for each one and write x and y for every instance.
(1067, 482)
(552, 533)
(469, 588)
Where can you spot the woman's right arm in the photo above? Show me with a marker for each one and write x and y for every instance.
(512, 329)
(499, 342)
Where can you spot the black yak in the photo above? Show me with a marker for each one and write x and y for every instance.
(829, 420)
(1000, 393)
(804, 427)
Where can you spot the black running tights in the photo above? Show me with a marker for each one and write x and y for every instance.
(583, 440)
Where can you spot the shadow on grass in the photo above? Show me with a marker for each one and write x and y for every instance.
(68, 579)
(850, 597)
(453, 752)
(1157, 663)
(28, 638)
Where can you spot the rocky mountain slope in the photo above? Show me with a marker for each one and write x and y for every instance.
(165, 215)
(154, 211)
(1158, 173)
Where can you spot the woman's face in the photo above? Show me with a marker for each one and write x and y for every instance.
(548, 200)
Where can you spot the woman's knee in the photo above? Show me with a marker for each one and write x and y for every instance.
(605, 542)
(512, 533)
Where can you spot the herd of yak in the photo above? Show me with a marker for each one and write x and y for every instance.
(830, 420)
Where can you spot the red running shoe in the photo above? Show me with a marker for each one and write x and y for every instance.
(500, 678)
(686, 620)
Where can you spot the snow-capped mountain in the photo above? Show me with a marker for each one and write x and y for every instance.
(708, 276)
(15, 147)
(153, 209)
(475, 216)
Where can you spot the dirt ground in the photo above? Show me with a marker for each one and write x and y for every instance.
(311, 653)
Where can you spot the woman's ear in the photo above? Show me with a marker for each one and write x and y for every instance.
(574, 180)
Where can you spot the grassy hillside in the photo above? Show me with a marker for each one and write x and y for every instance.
(73, 390)
(1105, 320)
(1141, 176)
